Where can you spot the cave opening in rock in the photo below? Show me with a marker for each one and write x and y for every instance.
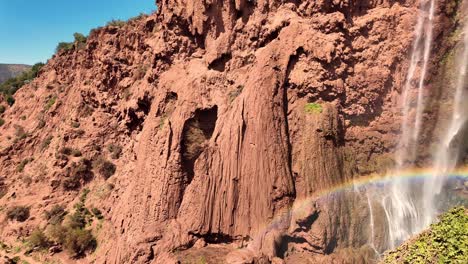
(195, 135)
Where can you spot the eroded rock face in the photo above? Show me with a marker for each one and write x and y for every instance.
(230, 114)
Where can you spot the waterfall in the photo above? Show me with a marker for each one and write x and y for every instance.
(409, 207)
(403, 216)
(446, 156)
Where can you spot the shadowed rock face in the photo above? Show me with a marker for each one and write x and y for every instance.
(230, 113)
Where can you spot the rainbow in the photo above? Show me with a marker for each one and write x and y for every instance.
(355, 184)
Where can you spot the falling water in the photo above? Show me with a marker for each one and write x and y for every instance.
(410, 207)
(399, 204)
(446, 156)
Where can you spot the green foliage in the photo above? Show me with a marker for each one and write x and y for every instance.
(78, 241)
(22, 164)
(79, 42)
(45, 144)
(75, 240)
(313, 108)
(115, 150)
(2, 122)
(70, 151)
(38, 239)
(104, 167)
(72, 234)
(445, 242)
(97, 213)
(64, 46)
(10, 86)
(116, 23)
(79, 38)
(18, 213)
(50, 102)
(55, 215)
(2, 109)
(77, 173)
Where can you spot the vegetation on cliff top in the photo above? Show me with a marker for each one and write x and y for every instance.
(10, 86)
(444, 242)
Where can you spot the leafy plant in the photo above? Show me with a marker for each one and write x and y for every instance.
(22, 164)
(55, 215)
(115, 150)
(18, 213)
(38, 239)
(104, 167)
(116, 23)
(313, 108)
(45, 144)
(444, 242)
(50, 102)
(10, 86)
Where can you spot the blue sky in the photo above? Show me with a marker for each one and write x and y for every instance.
(31, 29)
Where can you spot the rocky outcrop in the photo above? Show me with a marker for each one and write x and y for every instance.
(231, 115)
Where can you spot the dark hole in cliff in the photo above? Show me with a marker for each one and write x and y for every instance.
(220, 63)
(196, 132)
(216, 238)
(136, 116)
(273, 35)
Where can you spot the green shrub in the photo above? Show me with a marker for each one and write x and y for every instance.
(18, 213)
(45, 144)
(38, 239)
(115, 151)
(64, 46)
(78, 241)
(70, 151)
(104, 167)
(22, 164)
(2, 109)
(97, 213)
(313, 108)
(77, 219)
(116, 23)
(55, 215)
(50, 102)
(2, 122)
(10, 100)
(79, 38)
(71, 183)
(444, 242)
(57, 233)
(77, 173)
(10, 86)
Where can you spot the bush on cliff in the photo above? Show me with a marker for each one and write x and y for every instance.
(10, 86)
(444, 242)
(18, 213)
(78, 42)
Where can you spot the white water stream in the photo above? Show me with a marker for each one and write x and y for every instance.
(404, 215)
(411, 207)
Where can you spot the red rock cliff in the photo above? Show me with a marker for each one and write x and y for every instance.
(229, 113)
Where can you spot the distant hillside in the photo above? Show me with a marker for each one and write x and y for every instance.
(11, 70)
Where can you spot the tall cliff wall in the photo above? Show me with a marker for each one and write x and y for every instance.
(229, 113)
